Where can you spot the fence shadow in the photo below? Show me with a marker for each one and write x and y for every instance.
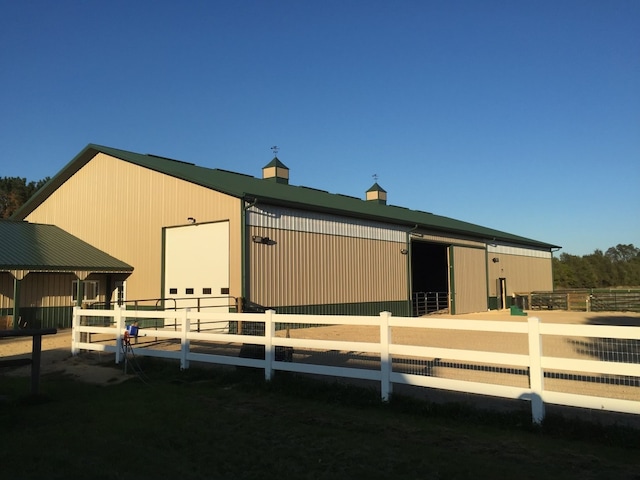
(611, 349)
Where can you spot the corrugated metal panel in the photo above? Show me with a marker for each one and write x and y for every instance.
(447, 240)
(470, 280)
(525, 252)
(6, 291)
(269, 216)
(303, 268)
(522, 274)
(28, 246)
(47, 290)
(120, 208)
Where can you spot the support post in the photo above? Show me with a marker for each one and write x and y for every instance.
(269, 333)
(536, 375)
(16, 303)
(75, 334)
(119, 319)
(385, 357)
(184, 341)
(36, 350)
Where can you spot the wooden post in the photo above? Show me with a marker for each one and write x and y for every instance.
(269, 333)
(385, 357)
(184, 340)
(536, 375)
(36, 351)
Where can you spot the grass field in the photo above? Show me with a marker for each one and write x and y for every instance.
(218, 423)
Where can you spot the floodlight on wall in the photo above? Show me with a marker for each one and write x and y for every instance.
(404, 251)
(495, 259)
(262, 240)
(191, 220)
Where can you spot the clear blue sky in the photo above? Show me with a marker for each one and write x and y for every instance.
(520, 116)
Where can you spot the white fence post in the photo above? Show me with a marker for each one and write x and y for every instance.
(385, 357)
(184, 342)
(118, 319)
(75, 334)
(269, 333)
(536, 375)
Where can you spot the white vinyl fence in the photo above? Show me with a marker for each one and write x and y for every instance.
(588, 366)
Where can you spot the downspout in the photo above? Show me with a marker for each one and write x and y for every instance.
(243, 255)
(486, 271)
(553, 273)
(409, 279)
(16, 302)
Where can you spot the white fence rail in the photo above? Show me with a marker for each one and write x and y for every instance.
(379, 348)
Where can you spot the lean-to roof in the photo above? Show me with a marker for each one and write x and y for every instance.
(47, 248)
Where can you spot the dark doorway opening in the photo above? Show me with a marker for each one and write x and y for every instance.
(429, 277)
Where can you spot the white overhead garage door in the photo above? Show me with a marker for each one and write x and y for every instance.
(196, 266)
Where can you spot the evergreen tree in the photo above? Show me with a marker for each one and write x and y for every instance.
(14, 192)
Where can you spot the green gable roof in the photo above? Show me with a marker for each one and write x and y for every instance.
(255, 189)
(33, 246)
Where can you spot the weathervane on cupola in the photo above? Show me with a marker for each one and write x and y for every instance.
(275, 170)
(376, 193)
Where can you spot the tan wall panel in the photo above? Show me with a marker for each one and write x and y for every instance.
(449, 240)
(470, 280)
(310, 269)
(6, 290)
(47, 290)
(523, 274)
(121, 208)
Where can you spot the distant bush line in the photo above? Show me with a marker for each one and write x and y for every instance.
(619, 266)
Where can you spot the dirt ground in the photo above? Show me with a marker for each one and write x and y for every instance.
(90, 366)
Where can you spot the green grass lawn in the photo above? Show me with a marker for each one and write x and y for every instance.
(231, 424)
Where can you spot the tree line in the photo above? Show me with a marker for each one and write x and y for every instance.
(619, 266)
(15, 191)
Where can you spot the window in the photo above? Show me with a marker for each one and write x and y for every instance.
(206, 291)
(189, 291)
(91, 289)
(173, 291)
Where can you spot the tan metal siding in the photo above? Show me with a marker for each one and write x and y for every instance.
(449, 240)
(304, 268)
(6, 291)
(47, 290)
(121, 208)
(523, 274)
(470, 280)
(283, 218)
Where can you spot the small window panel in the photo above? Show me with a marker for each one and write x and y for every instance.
(91, 289)
(173, 291)
(189, 291)
(206, 291)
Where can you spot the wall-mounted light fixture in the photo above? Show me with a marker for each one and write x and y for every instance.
(191, 220)
(263, 240)
(495, 259)
(404, 251)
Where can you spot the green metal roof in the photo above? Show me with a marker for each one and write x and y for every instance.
(255, 189)
(34, 246)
